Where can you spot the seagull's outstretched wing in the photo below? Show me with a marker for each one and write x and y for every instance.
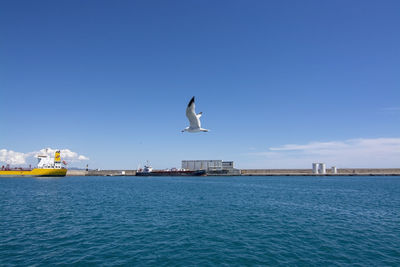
(191, 115)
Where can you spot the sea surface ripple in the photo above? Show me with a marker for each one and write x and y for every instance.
(207, 221)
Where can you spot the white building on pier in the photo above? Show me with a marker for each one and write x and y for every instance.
(216, 167)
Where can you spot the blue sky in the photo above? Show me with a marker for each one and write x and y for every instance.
(110, 80)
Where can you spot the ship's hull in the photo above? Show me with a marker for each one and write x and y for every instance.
(33, 172)
(172, 173)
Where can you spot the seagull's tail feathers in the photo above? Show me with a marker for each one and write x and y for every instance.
(199, 114)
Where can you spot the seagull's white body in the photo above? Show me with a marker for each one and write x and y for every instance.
(194, 119)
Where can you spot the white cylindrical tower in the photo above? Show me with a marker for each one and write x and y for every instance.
(315, 168)
(322, 168)
(334, 170)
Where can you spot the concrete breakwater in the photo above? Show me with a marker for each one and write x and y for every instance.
(259, 172)
(308, 172)
(101, 173)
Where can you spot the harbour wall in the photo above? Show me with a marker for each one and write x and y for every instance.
(251, 172)
(101, 173)
(259, 172)
(111, 173)
(76, 173)
(306, 172)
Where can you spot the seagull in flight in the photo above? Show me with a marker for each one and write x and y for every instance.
(194, 119)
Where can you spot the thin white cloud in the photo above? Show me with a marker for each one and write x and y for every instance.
(81, 157)
(311, 147)
(360, 153)
(19, 158)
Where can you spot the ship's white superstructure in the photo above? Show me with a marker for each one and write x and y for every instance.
(46, 162)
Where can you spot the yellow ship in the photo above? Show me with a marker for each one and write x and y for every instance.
(46, 167)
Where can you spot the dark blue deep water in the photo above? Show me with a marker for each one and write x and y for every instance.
(200, 221)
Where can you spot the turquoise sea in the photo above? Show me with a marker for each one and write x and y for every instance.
(201, 221)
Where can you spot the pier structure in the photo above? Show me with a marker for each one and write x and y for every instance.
(329, 172)
(226, 168)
